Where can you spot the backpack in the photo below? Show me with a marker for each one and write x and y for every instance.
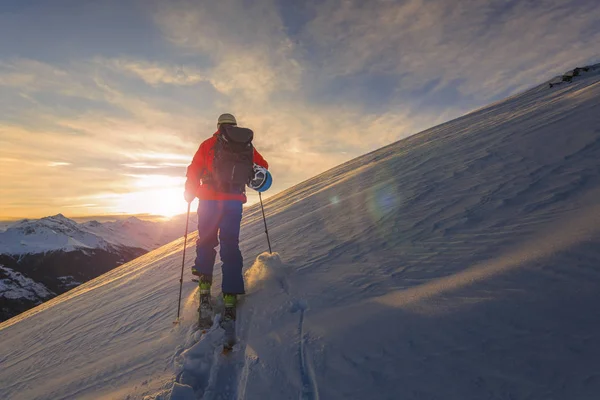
(233, 159)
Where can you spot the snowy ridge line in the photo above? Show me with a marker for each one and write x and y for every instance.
(48, 234)
(59, 233)
(466, 258)
(512, 108)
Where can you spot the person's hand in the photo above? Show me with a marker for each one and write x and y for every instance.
(189, 196)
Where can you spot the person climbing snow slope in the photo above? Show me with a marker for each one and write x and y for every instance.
(220, 170)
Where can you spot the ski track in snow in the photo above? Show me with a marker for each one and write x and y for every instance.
(223, 377)
(279, 274)
(461, 263)
(230, 374)
(310, 390)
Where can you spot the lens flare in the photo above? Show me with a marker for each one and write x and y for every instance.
(383, 199)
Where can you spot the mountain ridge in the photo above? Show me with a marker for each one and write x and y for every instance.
(460, 263)
(41, 258)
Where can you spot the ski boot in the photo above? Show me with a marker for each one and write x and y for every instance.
(205, 311)
(228, 321)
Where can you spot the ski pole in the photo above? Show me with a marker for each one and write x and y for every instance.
(187, 221)
(265, 221)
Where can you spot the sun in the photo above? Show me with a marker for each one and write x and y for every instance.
(165, 202)
(156, 194)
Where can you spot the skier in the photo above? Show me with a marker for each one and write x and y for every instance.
(218, 174)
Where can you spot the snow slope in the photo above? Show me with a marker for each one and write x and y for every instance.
(58, 253)
(460, 263)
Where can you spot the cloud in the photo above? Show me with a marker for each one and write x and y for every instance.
(30, 75)
(264, 75)
(320, 82)
(483, 48)
(154, 73)
(249, 54)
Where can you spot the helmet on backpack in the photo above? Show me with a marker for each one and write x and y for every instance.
(261, 180)
(226, 119)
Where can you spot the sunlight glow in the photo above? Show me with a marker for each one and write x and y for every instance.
(160, 194)
(157, 181)
(163, 156)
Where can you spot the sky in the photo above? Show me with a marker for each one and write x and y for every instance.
(104, 103)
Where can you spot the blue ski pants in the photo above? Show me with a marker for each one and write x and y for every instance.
(220, 220)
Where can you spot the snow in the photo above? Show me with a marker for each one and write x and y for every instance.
(17, 286)
(60, 233)
(4, 225)
(134, 232)
(47, 234)
(68, 280)
(460, 263)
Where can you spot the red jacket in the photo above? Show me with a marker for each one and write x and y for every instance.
(201, 166)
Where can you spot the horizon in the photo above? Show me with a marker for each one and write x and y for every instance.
(466, 257)
(99, 218)
(102, 106)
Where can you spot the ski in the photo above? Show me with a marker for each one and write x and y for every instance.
(205, 309)
(228, 322)
(205, 312)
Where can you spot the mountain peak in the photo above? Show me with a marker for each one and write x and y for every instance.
(51, 233)
(59, 217)
(469, 247)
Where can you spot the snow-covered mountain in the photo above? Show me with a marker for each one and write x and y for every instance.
(56, 253)
(48, 234)
(460, 263)
(27, 288)
(60, 233)
(19, 293)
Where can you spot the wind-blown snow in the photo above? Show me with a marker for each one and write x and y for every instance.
(460, 263)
